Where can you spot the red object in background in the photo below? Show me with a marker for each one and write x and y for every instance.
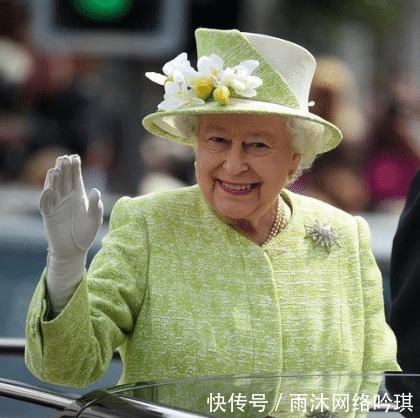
(389, 176)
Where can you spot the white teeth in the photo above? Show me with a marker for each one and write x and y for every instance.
(237, 186)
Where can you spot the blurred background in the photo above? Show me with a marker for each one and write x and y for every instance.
(72, 81)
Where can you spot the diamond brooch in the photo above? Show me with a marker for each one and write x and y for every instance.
(322, 234)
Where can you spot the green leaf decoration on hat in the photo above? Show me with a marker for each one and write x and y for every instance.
(233, 48)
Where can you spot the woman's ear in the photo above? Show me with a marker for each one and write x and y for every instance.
(295, 164)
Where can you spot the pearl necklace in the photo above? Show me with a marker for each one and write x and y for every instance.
(279, 222)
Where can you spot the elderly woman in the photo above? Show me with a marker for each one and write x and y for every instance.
(235, 275)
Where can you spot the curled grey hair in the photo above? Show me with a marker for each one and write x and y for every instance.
(305, 137)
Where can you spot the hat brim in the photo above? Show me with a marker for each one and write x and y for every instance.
(174, 125)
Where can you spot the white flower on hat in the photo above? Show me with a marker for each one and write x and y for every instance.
(240, 80)
(211, 67)
(185, 86)
(177, 94)
(208, 75)
(178, 64)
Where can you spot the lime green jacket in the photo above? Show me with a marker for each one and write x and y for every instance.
(182, 293)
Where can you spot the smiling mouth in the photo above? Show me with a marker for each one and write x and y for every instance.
(237, 189)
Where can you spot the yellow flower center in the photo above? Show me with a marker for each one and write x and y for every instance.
(203, 88)
(169, 79)
(222, 94)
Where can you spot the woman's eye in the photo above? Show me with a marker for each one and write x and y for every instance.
(217, 140)
(258, 145)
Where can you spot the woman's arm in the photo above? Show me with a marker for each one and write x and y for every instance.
(76, 347)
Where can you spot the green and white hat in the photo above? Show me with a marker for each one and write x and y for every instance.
(237, 72)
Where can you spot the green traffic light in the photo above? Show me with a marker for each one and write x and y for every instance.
(102, 10)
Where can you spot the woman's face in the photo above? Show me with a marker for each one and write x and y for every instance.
(242, 163)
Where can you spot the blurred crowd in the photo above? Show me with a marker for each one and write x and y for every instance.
(49, 105)
(54, 104)
(372, 168)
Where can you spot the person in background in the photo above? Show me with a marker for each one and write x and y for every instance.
(234, 275)
(48, 101)
(337, 177)
(405, 292)
(67, 110)
(393, 155)
(16, 68)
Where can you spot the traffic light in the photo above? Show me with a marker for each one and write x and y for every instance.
(141, 28)
(100, 10)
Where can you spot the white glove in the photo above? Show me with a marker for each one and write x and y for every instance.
(72, 221)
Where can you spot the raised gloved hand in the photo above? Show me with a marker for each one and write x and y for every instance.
(72, 221)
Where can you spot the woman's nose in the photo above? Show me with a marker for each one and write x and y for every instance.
(235, 161)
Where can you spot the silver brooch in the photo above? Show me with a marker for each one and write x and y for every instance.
(322, 234)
